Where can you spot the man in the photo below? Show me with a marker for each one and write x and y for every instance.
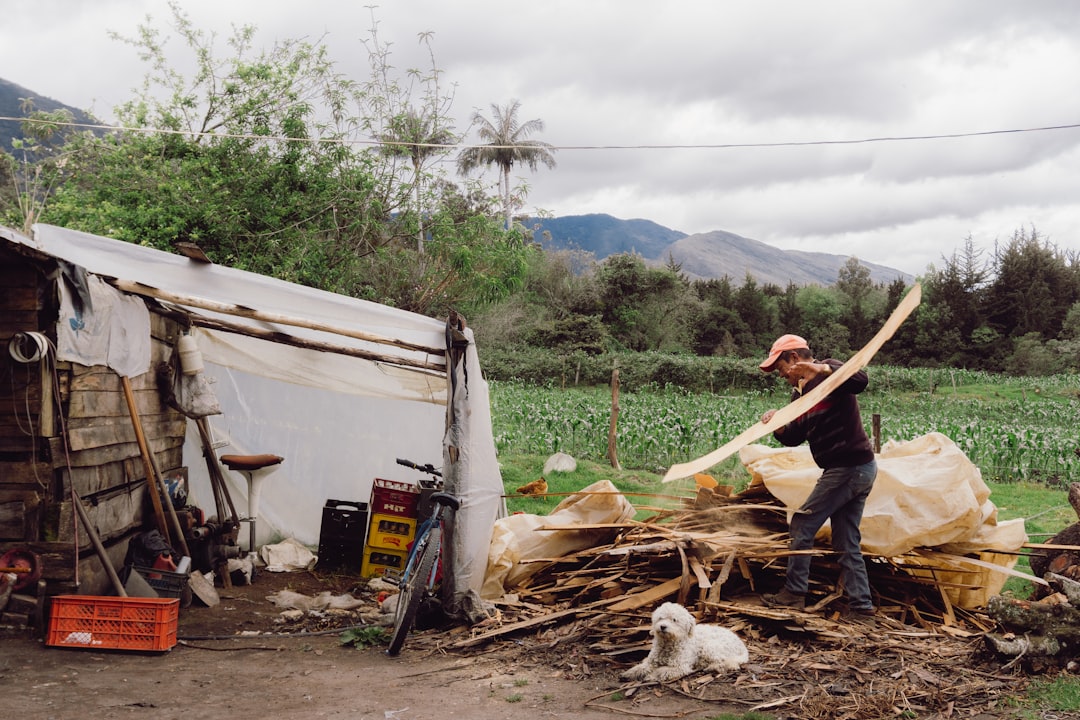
(840, 447)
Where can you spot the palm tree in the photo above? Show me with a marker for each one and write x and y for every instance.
(505, 143)
(417, 137)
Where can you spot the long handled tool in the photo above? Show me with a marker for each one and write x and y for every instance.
(95, 540)
(153, 477)
(148, 465)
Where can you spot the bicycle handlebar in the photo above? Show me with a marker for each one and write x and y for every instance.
(429, 468)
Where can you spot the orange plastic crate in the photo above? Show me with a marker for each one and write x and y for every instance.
(113, 623)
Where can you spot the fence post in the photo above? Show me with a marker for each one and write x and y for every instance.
(612, 451)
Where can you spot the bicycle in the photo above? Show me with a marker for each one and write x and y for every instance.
(418, 579)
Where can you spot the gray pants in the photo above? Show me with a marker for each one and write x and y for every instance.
(839, 496)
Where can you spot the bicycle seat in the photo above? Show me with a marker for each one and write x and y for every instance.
(247, 463)
(446, 500)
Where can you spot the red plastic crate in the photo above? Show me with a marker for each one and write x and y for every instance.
(390, 497)
(113, 623)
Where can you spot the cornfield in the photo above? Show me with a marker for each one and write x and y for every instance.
(1012, 428)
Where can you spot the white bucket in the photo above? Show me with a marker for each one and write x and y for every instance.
(190, 357)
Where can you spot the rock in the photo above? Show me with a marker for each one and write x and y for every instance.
(560, 462)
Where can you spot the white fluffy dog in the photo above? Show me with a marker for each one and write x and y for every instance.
(682, 646)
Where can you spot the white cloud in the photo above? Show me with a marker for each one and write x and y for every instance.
(699, 72)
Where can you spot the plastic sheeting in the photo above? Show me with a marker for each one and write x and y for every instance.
(928, 494)
(468, 459)
(519, 537)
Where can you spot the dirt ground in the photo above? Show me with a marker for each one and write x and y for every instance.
(241, 661)
(301, 670)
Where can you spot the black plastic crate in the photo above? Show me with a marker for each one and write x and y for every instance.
(166, 584)
(342, 535)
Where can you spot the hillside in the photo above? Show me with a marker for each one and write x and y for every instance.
(11, 96)
(702, 256)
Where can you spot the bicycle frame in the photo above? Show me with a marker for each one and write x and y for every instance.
(420, 573)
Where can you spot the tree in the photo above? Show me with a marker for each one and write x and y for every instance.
(417, 129)
(417, 137)
(506, 142)
(1033, 288)
(854, 283)
(37, 166)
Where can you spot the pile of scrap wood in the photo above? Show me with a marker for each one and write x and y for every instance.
(588, 612)
(715, 553)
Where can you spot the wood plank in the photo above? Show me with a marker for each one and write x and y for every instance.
(99, 378)
(89, 481)
(85, 404)
(25, 472)
(649, 596)
(12, 520)
(19, 298)
(792, 410)
(16, 442)
(116, 453)
(113, 431)
(112, 517)
(532, 622)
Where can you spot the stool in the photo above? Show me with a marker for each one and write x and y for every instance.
(255, 468)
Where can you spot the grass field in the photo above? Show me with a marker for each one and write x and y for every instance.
(1020, 433)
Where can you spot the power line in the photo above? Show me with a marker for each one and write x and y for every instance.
(463, 146)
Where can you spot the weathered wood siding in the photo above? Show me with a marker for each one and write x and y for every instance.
(66, 427)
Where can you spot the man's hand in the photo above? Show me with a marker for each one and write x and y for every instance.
(767, 416)
(808, 370)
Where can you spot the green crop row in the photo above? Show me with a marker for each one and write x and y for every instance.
(1011, 428)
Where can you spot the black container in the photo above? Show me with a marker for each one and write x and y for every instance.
(342, 536)
(425, 507)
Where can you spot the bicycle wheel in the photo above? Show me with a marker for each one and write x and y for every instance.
(417, 576)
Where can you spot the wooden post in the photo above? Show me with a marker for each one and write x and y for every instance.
(612, 450)
(876, 424)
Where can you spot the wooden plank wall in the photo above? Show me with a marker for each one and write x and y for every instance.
(100, 461)
(103, 462)
(25, 468)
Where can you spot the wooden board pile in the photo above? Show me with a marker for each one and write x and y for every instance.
(715, 553)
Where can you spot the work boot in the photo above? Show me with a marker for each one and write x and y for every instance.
(866, 617)
(785, 599)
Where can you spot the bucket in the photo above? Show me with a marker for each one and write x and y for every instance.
(190, 357)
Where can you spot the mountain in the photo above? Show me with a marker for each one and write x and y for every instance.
(604, 235)
(702, 256)
(11, 96)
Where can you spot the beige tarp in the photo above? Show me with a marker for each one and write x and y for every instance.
(518, 538)
(928, 494)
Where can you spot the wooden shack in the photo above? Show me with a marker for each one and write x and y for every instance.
(67, 431)
(338, 386)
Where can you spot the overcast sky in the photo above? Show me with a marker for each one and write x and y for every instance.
(698, 73)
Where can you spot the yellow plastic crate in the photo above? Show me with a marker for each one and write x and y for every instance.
(391, 532)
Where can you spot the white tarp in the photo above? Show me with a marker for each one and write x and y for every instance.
(339, 421)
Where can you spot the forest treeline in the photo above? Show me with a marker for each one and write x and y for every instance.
(1015, 310)
(272, 161)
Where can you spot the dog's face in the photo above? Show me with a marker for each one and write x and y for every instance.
(673, 621)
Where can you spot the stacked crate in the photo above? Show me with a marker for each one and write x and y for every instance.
(341, 537)
(392, 528)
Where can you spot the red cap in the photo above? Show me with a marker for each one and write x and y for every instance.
(782, 345)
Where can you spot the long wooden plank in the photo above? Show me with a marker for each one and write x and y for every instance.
(533, 622)
(138, 288)
(110, 431)
(793, 410)
(648, 597)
